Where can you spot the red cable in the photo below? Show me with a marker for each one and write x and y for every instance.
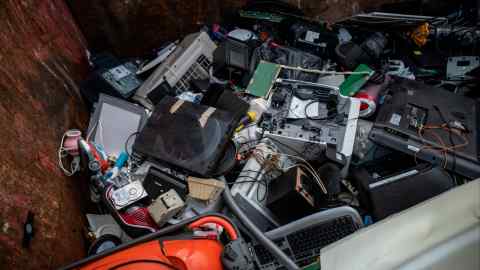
(219, 221)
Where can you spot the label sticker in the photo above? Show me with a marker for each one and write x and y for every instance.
(393, 179)
(119, 72)
(395, 119)
(205, 115)
(312, 36)
(176, 106)
(413, 148)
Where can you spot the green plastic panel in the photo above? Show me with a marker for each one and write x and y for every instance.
(263, 79)
(313, 266)
(354, 82)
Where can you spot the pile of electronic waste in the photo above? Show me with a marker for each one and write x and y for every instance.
(310, 130)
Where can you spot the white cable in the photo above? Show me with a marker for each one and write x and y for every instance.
(100, 126)
(300, 165)
(307, 165)
(62, 153)
(317, 177)
(309, 168)
(91, 131)
(328, 72)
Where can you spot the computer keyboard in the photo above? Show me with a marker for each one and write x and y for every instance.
(303, 241)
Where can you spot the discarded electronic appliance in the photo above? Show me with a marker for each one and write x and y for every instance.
(262, 123)
(208, 131)
(190, 60)
(303, 239)
(192, 251)
(309, 117)
(111, 77)
(105, 128)
(431, 124)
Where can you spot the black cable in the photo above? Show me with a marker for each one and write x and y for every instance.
(317, 94)
(333, 113)
(267, 187)
(143, 261)
(285, 145)
(328, 117)
(128, 140)
(263, 182)
(257, 233)
(262, 138)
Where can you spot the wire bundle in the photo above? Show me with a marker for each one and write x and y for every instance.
(62, 154)
(443, 148)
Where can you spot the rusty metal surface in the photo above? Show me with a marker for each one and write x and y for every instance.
(42, 56)
(134, 27)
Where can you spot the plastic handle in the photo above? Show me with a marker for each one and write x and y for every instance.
(219, 221)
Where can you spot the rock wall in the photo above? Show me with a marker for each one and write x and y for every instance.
(42, 57)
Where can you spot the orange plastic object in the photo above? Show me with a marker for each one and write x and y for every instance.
(264, 36)
(194, 254)
(420, 34)
(219, 221)
(147, 251)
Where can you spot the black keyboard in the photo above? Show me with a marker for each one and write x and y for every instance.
(304, 246)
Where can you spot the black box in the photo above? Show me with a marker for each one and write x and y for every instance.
(291, 196)
(383, 192)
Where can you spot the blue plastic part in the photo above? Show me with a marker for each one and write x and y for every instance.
(121, 160)
(367, 220)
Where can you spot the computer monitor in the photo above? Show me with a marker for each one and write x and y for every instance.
(233, 53)
(185, 135)
(113, 122)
